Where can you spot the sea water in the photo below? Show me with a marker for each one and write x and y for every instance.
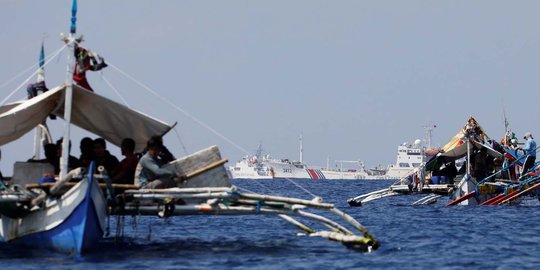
(411, 237)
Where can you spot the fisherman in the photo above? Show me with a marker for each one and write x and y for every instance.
(481, 164)
(125, 172)
(103, 157)
(530, 151)
(87, 152)
(150, 172)
(472, 129)
(164, 154)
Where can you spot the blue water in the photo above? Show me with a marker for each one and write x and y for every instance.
(411, 237)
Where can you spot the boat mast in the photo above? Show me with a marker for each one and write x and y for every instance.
(69, 91)
(38, 134)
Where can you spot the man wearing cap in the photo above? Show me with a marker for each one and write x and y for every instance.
(530, 150)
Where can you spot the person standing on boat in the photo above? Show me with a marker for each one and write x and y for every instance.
(481, 164)
(150, 173)
(530, 151)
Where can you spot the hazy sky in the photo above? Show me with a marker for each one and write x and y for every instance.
(357, 78)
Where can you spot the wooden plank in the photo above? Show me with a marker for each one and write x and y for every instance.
(488, 202)
(536, 186)
(462, 198)
(46, 186)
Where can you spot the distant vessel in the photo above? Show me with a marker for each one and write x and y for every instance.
(409, 157)
(259, 166)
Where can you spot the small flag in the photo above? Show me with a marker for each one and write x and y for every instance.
(42, 56)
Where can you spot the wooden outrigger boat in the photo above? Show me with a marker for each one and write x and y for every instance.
(496, 189)
(69, 215)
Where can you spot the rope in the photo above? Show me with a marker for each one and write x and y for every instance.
(505, 168)
(181, 110)
(147, 88)
(180, 140)
(115, 90)
(301, 187)
(2, 103)
(24, 71)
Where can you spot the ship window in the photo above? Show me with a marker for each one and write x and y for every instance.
(416, 164)
(236, 168)
(404, 165)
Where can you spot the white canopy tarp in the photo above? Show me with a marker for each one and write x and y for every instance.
(90, 111)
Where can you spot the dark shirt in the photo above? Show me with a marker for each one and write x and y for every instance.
(110, 162)
(125, 172)
(73, 163)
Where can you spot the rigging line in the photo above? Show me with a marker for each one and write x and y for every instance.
(181, 110)
(115, 90)
(26, 70)
(181, 142)
(29, 77)
(301, 187)
(198, 121)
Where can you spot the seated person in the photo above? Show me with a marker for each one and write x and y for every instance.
(51, 155)
(103, 157)
(165, 155)
(150, 173)
(87, 152)
(125, 172)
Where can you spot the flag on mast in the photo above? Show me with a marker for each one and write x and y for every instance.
(42, 56)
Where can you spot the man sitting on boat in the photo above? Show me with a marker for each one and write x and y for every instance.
(103, 157)
(150, 172)
(125, 172)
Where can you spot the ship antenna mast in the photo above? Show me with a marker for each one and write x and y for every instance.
(301, 148)
(428, 134)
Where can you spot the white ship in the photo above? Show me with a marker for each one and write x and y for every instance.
(409, 157)
(260, 166)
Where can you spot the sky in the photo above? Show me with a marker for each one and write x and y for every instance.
(355, 78)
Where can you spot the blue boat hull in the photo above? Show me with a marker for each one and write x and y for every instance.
(74, 231)
(78, 234)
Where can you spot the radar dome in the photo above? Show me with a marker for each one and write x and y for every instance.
(417, 143)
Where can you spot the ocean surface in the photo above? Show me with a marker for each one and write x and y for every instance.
(411, 237)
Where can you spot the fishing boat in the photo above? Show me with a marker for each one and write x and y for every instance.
(441, 176)
(73, 223)
(68, 214)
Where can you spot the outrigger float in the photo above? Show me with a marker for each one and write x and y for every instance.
(503, 186)
(70, 214)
